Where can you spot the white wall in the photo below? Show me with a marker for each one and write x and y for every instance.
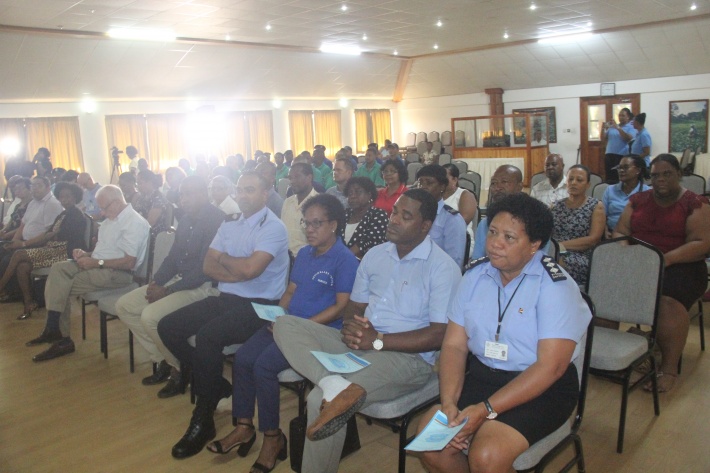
(93, 131)
(436, 113)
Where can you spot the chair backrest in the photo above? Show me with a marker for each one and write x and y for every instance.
(421, 136)
(444, 158)
(553, 249)
(625, 280)
(467, 184)
(459, 138)
(446, 138)
(160, 247)
(537, 178)
(412, 169)
(421, 147)
(463, 167)
(433, 136)
(436, 147)
(411, 139)
(88, 230)
(169, 216)
(599, 189)
(412, 157)
(594, 179)
(284, 183)
(693, 183)
(582, 361)
(361, 159)
(685, 158)
(476, 178)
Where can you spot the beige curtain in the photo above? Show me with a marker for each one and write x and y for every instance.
(300, 124)
(362, 135)
(11, 129)
(166, 140)
(381, 121)
(61, 136)
(235, 141)
(125, 130)
(261, 132)
(327, 130)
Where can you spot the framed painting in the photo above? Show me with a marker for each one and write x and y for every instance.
(688, 125)
(551, 120)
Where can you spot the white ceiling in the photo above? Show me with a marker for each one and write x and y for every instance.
(54, 49)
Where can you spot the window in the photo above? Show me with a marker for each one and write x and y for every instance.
(372, 126)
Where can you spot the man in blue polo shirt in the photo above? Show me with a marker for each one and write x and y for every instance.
(249, 258)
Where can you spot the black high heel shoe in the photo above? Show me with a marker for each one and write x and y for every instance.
(281, 456)
(243, 447)
(27, 314)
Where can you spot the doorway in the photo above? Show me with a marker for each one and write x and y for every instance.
(593, 113)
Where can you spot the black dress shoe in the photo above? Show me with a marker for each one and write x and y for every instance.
(174, 386)
(48, 336)
(200, 431)
(57, 349)
(162, 373)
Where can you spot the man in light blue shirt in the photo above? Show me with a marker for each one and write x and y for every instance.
(506, 180)
(395, 320)
(88, 203)
(249, 258)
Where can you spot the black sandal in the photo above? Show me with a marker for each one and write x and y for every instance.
(281, 456)
(244, 447)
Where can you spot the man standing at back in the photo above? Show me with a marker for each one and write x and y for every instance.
(554, 188)
(88, 203)
(506, 180)
(396, 319)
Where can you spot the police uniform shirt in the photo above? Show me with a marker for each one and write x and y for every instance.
(547, 304)
(449, 232)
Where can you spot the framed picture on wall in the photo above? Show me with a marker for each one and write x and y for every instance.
(551, 120)
(688, 125)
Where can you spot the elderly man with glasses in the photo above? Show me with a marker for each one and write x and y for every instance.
(120, 250)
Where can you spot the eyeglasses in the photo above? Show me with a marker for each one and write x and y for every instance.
(315, 224)
(664, 175)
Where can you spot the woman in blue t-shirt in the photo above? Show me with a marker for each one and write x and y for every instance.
(319, 289)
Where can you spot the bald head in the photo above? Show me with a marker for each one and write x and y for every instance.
(506, 180)
(85, 181)
(554, 168)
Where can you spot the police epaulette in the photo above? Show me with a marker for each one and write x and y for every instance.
(552, 268)
(476, 262)
(450, 209)
(232, 217)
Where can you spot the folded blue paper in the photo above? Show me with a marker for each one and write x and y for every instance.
(342, 363)
(268, 312)
(436, 435)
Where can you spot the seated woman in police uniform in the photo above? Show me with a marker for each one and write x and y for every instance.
(521, 316)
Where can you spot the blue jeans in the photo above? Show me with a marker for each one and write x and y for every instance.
(256, 367)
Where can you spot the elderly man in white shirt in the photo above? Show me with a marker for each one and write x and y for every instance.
(221, 190)
(120, 250)
(553, 188)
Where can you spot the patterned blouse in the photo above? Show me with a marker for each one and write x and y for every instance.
(370, 231)
(571, 224)
(154, 201)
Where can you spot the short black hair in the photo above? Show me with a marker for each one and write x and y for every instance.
(305, 168)
(127, 176)
(364, 182)
(453, 169)
(149, 176)
(535, 216)
(435, 171)
(25, 181)
(667, 158)
(75, 190)
(398, 166)
(640, 163)
(428, 206)
(583, 168)
(69, 176)
(333, 208)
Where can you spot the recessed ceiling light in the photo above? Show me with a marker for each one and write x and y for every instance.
(351, 50)
(277, 103)
(88, 105)
(436, 46)
(439, 23)
(396, 53)
(364, 37)
(344, 7)
(146, 34)
(533, 6)
(268, 27)
(589, 23)
(505, 35)
(693, 7)
(343, 102)
(227, 38)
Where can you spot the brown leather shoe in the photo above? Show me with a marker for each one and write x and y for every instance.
(336, 413)
(63, 347)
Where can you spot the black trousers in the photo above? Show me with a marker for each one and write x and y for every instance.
(217, 322)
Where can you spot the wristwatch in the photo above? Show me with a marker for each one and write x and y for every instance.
(379, 342)
(491, 413)
(101, 264)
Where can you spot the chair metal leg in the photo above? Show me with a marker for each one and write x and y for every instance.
(654, 384)
(130, 351)
(403, 443)
(579, 453)
(701, 325)
(83, 319)
(103, 333)
(622, 414)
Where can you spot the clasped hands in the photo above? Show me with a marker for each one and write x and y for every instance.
(476, 414)
(155, 292)
(84, 259)
(358, 333)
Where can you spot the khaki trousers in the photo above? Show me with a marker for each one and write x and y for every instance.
(391, 374)
(66, 280)
(142, 318)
